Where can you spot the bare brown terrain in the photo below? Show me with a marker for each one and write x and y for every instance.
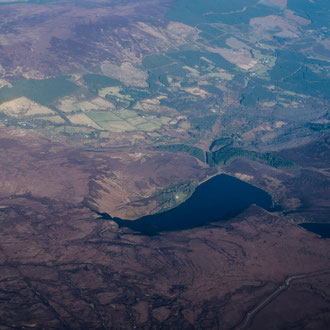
(57, 38)
(121, 183)
(303, 289)
(63, 268)
(60, 268)
(120, 109)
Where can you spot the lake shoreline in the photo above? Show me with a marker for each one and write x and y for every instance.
(217, 198)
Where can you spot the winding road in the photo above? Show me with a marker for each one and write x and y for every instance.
(285, 284)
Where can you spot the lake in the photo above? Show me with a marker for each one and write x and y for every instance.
(219, 198)
(322, 229)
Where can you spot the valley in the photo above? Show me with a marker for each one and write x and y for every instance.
(128, 109)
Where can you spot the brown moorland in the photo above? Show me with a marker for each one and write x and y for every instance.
(61, 268)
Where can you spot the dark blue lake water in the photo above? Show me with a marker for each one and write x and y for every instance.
(219, 198)
(322, 229)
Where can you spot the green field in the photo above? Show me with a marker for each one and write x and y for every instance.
(44, 91)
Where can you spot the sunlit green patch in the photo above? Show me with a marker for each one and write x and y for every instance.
(102, 116)
(149, 126)
(117, 126)
(138, 120)
(125, 114)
